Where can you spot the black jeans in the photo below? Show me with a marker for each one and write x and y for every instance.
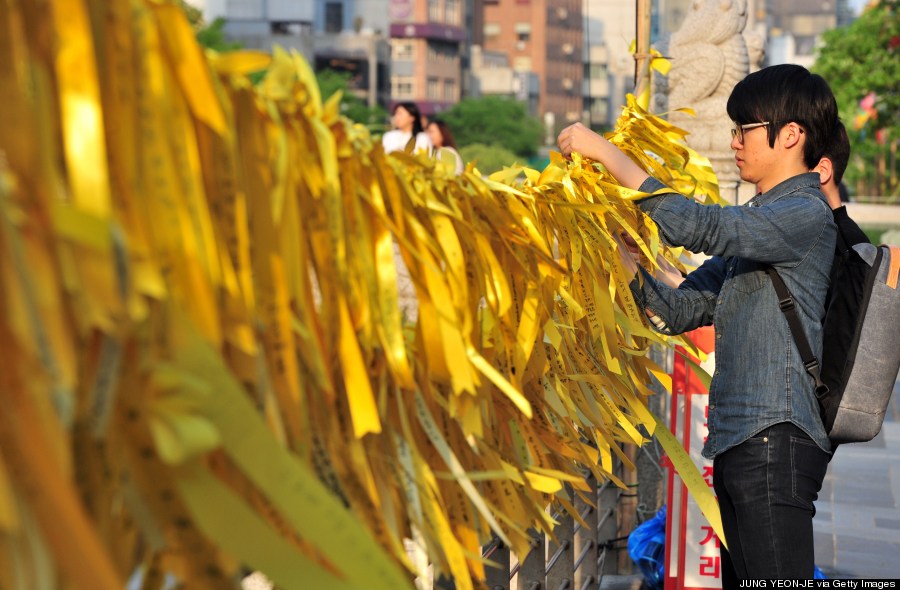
(766, 487)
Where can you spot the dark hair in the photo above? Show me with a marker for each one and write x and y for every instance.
(838, 151)
(412, 109)
(784, 93)
(446, 134)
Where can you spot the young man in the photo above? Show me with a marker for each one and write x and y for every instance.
(769, 448)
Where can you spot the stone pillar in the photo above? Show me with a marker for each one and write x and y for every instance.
(709, 56)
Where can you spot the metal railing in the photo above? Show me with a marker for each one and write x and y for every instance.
(581, 556)
(578, 558)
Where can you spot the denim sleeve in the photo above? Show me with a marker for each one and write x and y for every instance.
(690, 306)
(781, 233)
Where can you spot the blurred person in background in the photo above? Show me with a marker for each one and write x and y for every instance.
(407, 121)
(443, 142)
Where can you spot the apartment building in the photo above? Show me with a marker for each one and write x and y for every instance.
(492, 74)
(596, 85)
(796, 26)
(609, 31)
(262, 24)
(428, 45)
(351, 36)
(543, 37)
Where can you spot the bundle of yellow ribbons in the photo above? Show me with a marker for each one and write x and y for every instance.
(206, 367)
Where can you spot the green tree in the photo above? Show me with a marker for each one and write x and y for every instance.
(352, 107)
(494, 120)
(212, 37)
(208, 35)
(860, 60)
(489, 158)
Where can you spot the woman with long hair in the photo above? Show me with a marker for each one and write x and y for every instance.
(407, 122)
(442, 139)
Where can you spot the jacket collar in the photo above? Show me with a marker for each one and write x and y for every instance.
(786, 187)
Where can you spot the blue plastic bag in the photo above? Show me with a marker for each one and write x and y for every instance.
(647, 548)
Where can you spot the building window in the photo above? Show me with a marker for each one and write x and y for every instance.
(434, 11)
(434, 92)
(403, 50)
(290, 28)
(450, 89)
(402, 87)
(451, 12)
(334, 17)
(522, 63)
(491, 29)
(523, 32)
(599, 110)
(441, 52)
(596, 71)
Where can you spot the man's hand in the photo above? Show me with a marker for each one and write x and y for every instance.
(630, 254)
(578, 138)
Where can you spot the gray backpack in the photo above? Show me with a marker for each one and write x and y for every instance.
(861, 341)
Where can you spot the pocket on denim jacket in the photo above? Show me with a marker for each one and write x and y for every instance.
(748, 276)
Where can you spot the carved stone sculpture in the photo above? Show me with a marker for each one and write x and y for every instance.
(709, 56)
(755, 35)
(756, 46)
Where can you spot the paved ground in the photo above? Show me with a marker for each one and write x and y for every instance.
(857, 524)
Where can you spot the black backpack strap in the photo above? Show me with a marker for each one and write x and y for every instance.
(786, 304)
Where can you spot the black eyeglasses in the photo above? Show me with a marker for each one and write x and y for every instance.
(739, 130)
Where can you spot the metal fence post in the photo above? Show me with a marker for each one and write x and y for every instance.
(530, 569)
(586, 539)
(560, 562)
(607, 526)
(497, 578)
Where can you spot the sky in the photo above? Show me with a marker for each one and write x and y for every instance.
(857, 5)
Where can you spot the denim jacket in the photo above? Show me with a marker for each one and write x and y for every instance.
(759, 378)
